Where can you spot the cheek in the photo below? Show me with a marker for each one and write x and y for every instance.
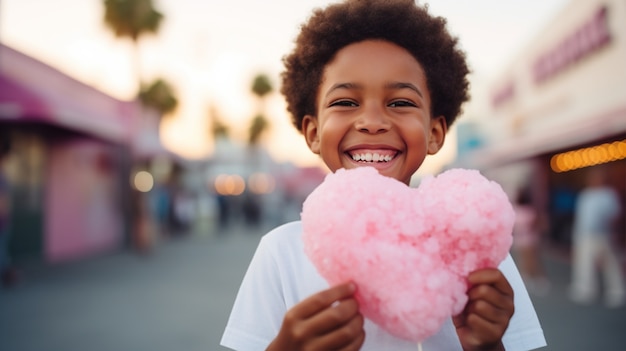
(416, 134)
(332, 131)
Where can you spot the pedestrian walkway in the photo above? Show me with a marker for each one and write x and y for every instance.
(176, 298)
(568, 326)
(179, 297)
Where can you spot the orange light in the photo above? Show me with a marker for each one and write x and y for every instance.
(622, 148)
(229, 184)
(261, 183)
(613, 151)
(589, 156)
(554, 164)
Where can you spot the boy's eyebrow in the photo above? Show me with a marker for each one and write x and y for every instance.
(391, 85)
(343, 86)
(404, 85)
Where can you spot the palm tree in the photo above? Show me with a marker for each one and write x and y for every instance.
(132, 19)
(258, 125)
(261, 86)
(219, 129)
(159, 95)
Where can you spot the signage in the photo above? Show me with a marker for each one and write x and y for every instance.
(586, 40)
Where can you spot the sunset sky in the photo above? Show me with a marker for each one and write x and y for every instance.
(210, 50)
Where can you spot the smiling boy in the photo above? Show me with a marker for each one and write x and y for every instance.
(374, 108)
(370, 83)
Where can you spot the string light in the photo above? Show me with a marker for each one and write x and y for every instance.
(589, 156)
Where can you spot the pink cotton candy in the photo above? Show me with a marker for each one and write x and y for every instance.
(409, 250)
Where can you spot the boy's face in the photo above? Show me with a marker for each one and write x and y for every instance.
(373, 109)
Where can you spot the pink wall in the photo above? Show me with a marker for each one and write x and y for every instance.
(81, 210)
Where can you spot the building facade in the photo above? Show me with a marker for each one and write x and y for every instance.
(559, 110)
(73, 149)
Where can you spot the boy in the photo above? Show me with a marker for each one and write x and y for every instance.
(373, 83)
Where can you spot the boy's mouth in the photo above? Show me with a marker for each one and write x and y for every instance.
(373, 156)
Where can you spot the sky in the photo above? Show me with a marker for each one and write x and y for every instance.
(211, 50)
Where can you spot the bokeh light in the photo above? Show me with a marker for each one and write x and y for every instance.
(143, 181)
(261, 183)
(230, 184)
(589, 156)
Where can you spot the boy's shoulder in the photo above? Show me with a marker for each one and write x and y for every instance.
(288, 232)
(286, 229)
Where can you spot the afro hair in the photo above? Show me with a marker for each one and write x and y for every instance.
(401, 22)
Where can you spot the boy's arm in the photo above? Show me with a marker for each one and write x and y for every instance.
(328, 320)
(486, 316)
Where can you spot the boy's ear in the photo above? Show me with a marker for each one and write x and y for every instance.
(438, 130)
(309, 130)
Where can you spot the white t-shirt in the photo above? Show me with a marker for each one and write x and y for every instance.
(280, 276)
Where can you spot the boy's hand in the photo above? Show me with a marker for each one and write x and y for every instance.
(328, 320)
(486, 316)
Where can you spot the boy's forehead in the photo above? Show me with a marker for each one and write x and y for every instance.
(363, 47)
(370, 58)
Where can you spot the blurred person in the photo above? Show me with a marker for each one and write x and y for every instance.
(183, 211)
(252, 209)
(526, 243)
(563, 201)
(7, 271)
(159, 199)
(597, 210)
(143, 225)
(224, 211)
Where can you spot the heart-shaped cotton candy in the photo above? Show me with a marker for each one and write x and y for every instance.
(409, 250)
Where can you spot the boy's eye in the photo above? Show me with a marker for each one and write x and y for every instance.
(402, 103)
(344, 103)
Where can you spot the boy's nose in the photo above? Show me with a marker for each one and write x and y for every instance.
(372, 120)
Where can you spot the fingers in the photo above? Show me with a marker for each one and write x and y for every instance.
(492, 277)
(491, 295)
(489, 309)
(349, 336)
(324, 299)
(484, 331)
(328, 320)
(488, 303)
(340, 313)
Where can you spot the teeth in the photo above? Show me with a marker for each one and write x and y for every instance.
(369, 157)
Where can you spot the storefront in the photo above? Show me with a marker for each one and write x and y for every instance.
(72, 151)
(559, 110)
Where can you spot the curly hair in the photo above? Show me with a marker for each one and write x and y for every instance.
(398, 21)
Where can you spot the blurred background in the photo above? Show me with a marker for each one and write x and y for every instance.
(146, 147)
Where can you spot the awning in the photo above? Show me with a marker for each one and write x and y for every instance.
(43, 104)
(33, 91)
(606, 125)
(19, 102)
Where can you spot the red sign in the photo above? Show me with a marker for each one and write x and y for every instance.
(589, 38)
(503, 95)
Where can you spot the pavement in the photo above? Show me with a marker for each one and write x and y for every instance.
(179, 296)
